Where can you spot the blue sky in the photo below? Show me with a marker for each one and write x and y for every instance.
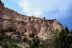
(51, 9)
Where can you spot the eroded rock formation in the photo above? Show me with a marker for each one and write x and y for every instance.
(10, 19)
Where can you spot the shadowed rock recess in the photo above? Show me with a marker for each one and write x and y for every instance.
(15, 24)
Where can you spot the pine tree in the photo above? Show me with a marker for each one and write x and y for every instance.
(62, 40)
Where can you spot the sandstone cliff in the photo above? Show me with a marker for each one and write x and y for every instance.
(11, 20)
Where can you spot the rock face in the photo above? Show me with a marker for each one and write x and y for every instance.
(23, 24)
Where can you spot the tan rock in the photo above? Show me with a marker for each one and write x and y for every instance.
(44, 28)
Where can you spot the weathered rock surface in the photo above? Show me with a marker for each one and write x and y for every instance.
(10, 19)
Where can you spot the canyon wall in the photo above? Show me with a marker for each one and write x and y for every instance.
(11, 20)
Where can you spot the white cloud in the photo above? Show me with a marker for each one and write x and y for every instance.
(25, 6)
(38, 13)
(48, 8)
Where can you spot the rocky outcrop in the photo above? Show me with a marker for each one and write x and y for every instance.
(10, 19)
